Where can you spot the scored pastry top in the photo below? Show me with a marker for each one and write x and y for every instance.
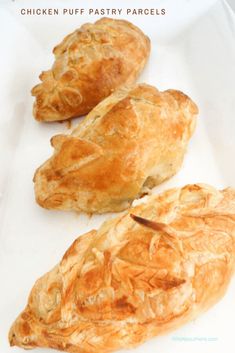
(133, 140)
(126, 282)
(89, 64)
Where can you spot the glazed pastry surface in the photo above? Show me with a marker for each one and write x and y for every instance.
(127, 282)
(89, 64)
(133, 140)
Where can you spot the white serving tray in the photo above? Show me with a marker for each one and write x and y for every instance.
(193, 49)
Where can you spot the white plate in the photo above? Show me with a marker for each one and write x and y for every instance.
(192, 50)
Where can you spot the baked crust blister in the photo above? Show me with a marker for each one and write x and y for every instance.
(89, 64)
(125, 283)
(133, 140)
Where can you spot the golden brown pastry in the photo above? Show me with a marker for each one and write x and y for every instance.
(133, 140)
(89, 64)
(125, 283)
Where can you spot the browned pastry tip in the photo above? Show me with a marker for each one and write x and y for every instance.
(147, 223)
(135, 278)
(90, 64)
(129, 143)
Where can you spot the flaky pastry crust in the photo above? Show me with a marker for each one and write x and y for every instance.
(126, 282)
(133, 140)
(89, 64)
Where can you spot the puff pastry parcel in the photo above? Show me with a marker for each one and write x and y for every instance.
(133, 140)
(127, 282)
(89, 64)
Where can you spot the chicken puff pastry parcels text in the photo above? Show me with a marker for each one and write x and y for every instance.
(89, 64)
(125, 283)
(133, 140)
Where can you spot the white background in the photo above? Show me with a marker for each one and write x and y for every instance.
(193, 49)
